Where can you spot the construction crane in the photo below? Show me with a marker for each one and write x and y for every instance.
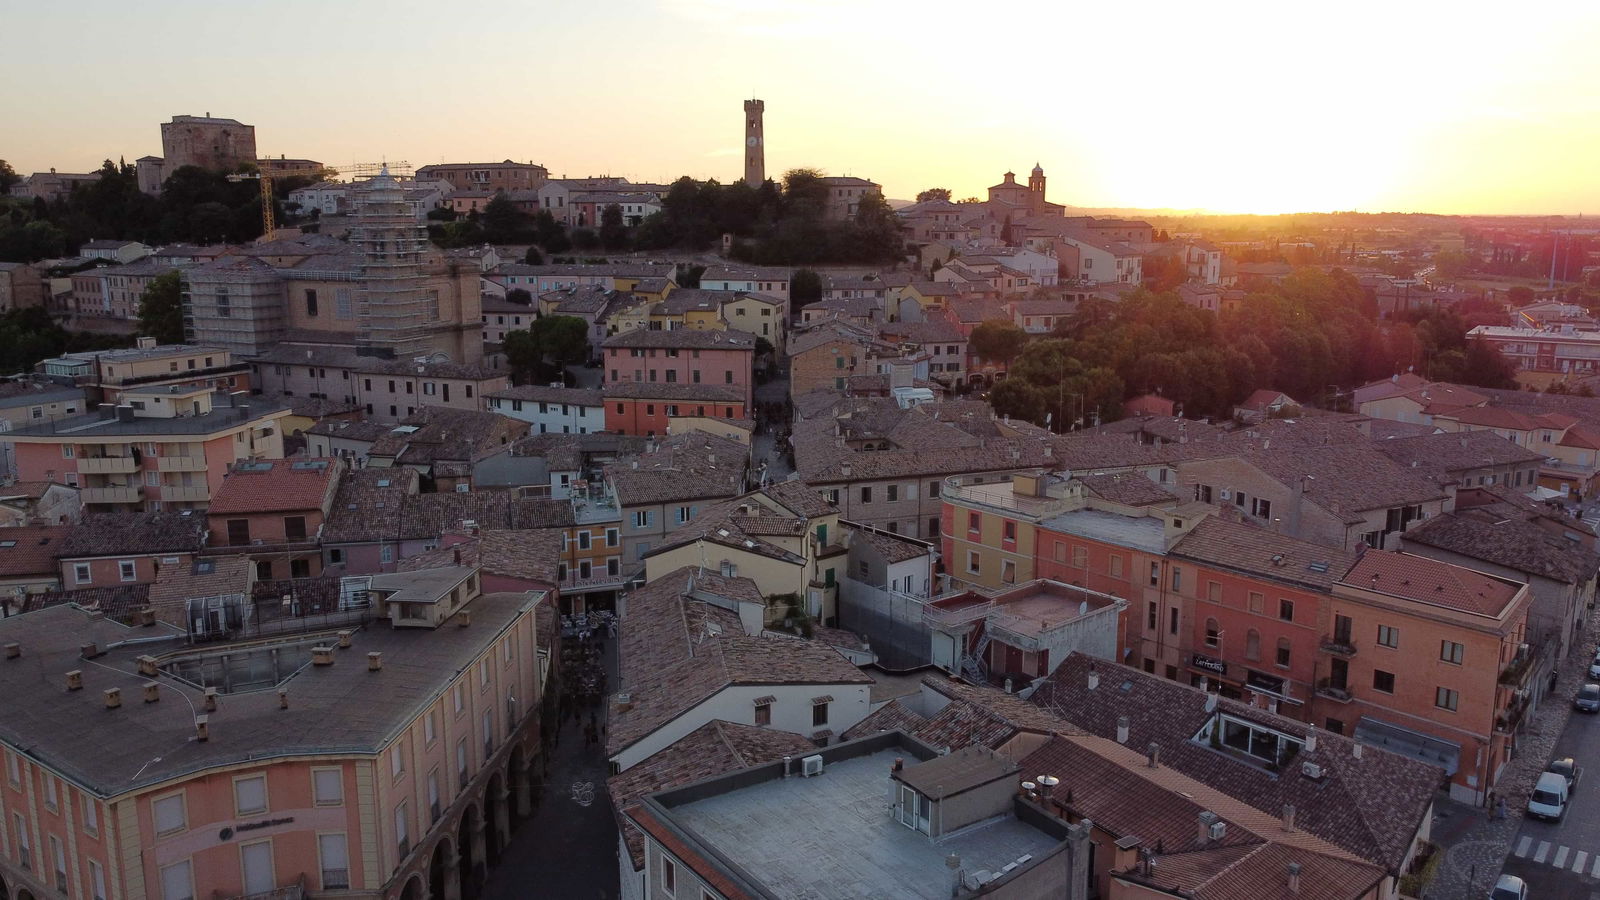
(269, 222)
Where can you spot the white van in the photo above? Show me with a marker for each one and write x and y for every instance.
(1549, 797)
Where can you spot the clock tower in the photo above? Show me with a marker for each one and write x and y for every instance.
(755, 165)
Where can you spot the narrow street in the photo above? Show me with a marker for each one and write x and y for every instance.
(569, 847)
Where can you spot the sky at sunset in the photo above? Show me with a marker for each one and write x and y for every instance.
(1226, 106)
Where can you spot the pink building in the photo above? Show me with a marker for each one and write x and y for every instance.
(682, 357)
(217, 771)
(644, 409)
(273, 510)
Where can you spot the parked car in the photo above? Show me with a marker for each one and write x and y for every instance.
(1549, 798)
(1567, 768)
(1594, 666)
(1588, 699)
(1509, 887)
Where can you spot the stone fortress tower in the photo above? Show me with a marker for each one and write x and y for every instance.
(755, 162)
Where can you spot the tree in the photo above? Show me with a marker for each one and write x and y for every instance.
(934, 194)
(805, 286)
(503, 223)
(613, 233)
(997, 341)
(1520, 295)
(161, 309)
(544, 349)
(520, 296)
(8, 177)
(585, 239)
(805, 194)
(689, 276)
(549, 234)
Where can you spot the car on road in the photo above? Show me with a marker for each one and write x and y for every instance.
(1588, 699)
(1549, 798)
(1594, 666)
(1509, 887)
(1567, 768)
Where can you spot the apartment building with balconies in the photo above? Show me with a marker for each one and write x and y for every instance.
(159, 447)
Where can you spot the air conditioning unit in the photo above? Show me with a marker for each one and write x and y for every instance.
(1225, 494)
(1311, 770)
(1217, 830)
(811, 765)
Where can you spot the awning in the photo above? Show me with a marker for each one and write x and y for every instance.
(1404, 741)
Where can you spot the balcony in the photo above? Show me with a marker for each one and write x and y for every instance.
(296, 891)
(181, 463)
(178, 493)
(1338, 645)
(110, 495)
(107, 465)
(1327, 690)
(956, 613)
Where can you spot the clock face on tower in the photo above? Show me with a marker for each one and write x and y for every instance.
(753, 141)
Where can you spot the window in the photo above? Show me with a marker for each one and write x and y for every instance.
(488, 734)
(430, 731)
(1283, 652)
(294, 528)
(1257, 602)
(1286, 609)
(311, 303)
(1452, 652)
(397, 761)
(59, 857)
(1115, 566)
(1213, 634)
(1010, 530)
(1252, 644)
(52, 797)
(127, 571)
(669, 875)
(1383, 681)
(24, 849)
(250, 795)
(67, 451)
(641, 518)
(97, 881)
(1150, 623)
(1261, 509)
(611, 537)
(974, 522)
(1444, 698)
(402, 835)
(433, 796)
(866, 494)
(461, 765)
(327, 787)
(683, 516)
(333, 855)
(933, 489)
(91, 815)
(1177, 578)
(763, 713)
(1173, 624)
(1214, 591)
(177, 882)
(458, 695)
(1388, 636)
(819, 713)
(169, 814)
(973, 562)
(1155, 574)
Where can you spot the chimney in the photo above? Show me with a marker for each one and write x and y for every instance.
(1094, 678)
(13, 650)
(88, 650)
(211, 699)
(1207, 819)
(1294, 878)
(1355, 749)
(202, 728)
(1047, 785)
(147, 666)
(374, 661)
(464, 618)
(787, 760)
(953, 864)
(322, 656)
(1288, 817)
(344, 639)
(113, 697)
(75, 680)
(1153, 752)
(1122, 729)
(283, 698)
(152, 692)
(458, 555)
(145, 616)
(1311, 742)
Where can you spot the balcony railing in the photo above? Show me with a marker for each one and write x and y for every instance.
(595, 581)
(956, 616)
(110, 495)
(107, 465)
(296, 891)
(1339, 646)
(181, 463)
(1330, 691)
(185, 493)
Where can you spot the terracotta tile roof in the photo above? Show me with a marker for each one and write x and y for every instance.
(435, 433)
(676, 652)
(382, 505)
(542, 393)
(118, 603)
(799, 498)
(1350, 479)
(826, 332)
(892, 716)
(1129, 489)
(689, 466)
(205, 577)
(1253, 550)
(526, 555)
(715, 748)
(31, 549)
(704, 868)
(1368, 806)
(1510, 535)
(132, 534)
(1424, 580)
(683, 338)
(892, 547)
(280, 485)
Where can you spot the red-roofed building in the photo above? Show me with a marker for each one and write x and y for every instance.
(1148, 405)
(273, 510)
(1430, 660)
(28, 560)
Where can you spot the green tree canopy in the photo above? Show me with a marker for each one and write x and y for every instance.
(544, 349)
(934, 194)
(161, 309)
(997, 341)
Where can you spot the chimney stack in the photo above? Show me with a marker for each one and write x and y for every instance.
(1311, 742)
(113, 697)
(75, 680)
(1288, 817)
(322, 656)
(88, 650)
(147, 666)
(1294, 878)
(1122, 729)
(464, 618)
(152, 692)
(374, 661)
(211, 699)
(1355, 749)
(1094, 677)
(283, 698)
(1047, 785)
(13, 650)
(202, 728)
(1154, 754)
(145, 616)
(344, 639)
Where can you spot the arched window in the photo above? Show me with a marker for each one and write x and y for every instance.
(1252, 644)
(1213, 634)
(1283, 652)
